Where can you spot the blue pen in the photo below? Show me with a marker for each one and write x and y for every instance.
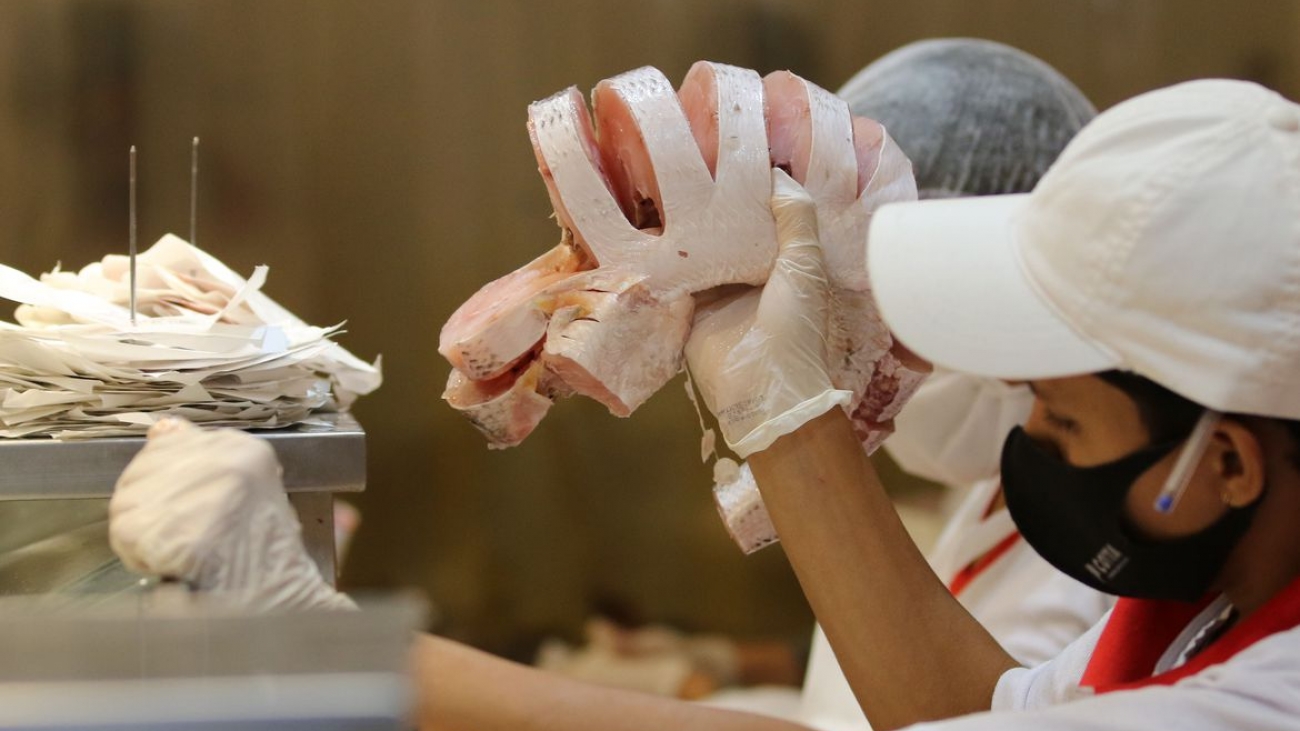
(1188, 458)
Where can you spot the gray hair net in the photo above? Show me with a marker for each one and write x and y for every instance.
(974, 116)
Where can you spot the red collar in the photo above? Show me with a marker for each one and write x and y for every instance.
(1139, 632)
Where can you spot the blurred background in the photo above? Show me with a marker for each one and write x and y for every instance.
(374, 154)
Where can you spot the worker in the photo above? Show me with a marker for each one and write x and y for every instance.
(975, 117)
(1148, 292)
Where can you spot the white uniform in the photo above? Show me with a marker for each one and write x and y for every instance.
(1031, 608)
(1258, 689)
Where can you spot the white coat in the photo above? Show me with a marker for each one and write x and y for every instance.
(1257, 689)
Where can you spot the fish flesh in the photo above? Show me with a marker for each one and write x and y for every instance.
(660, 195)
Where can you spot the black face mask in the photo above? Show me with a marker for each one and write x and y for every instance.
(1074, 518)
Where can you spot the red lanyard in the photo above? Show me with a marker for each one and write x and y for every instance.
(978, 566)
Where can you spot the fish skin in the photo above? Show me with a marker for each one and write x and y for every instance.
(604, 354)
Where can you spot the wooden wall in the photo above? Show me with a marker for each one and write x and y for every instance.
(374, 154)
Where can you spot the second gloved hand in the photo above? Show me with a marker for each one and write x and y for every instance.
(208, 507)
(759, 358)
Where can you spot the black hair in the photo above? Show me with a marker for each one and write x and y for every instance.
(1168, 416)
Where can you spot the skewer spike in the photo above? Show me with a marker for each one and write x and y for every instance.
(132, 240)
(194, 192)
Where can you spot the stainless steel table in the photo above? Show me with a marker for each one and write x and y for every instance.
(165, 659)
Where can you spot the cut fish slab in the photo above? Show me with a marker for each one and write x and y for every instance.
(661, 194)
(504, 320)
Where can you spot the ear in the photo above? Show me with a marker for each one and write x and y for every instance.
(1240, 466)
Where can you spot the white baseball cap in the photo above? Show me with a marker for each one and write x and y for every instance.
(1164, 241)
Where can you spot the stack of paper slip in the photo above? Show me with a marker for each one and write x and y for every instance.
(206, 345)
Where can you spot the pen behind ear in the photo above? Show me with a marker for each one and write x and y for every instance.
(1188, 458)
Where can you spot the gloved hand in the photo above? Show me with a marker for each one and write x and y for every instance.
(759, 358)
(208, 507)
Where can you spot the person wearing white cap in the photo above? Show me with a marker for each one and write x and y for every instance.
(1162, 251)
(1148, 291)
(975, 117)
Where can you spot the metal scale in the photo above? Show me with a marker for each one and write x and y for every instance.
(54, 495)
(85, 644)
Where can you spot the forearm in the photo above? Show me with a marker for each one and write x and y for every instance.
(462, 689)
(909, 650)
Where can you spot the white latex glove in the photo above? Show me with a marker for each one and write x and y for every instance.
(759, 358)
(208, 507)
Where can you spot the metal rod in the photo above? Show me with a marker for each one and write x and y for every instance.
(133, 236)
(194, 192)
